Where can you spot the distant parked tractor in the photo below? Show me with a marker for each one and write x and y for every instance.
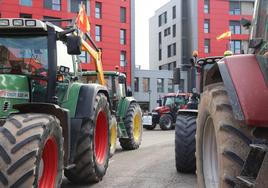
(165, 114)
(126, 113)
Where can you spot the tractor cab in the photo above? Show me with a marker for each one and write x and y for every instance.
(31, 54)
(114, 81)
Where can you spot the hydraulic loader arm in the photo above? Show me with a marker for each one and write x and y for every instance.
(96, 54)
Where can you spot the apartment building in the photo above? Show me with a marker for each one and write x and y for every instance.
(112, 26)
(216, 17)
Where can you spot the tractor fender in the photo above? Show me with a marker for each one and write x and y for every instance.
(54, 110)
(245, 79)
(86, 99)
(123, 106)
(191, 112)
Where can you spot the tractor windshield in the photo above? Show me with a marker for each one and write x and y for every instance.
(24, 55)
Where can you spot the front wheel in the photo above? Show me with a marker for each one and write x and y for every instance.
(166, 122)
(133, 124)
(93, 148)
(31, 149)
(113, 136)
(150, 127)
(185, 130)
(222, 145)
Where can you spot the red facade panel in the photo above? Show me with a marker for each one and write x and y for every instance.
(219, 18)
(110, 22)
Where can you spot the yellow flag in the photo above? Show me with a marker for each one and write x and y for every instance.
(227, 34)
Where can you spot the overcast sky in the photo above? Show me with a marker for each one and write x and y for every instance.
(144, 10)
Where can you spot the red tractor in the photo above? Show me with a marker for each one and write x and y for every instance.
(232, 120)
(165, 114)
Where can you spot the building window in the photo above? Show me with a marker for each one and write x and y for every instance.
(207, 46)
(162, 19)
(235, 27)
(159, 46)
(136, 84)
(206, 26)
(170, 86)
(160, 85)
(98, 33)
(26, 3)
(74, 5)
(174, 30)
(167, 32)
(22, 15)
(146, 84)
(234, 8)
(53, 18)
(83, 57)
(206, 6)
(160, 54)
(122, 36)
(52, 4)
(236, 46)
(174, 12)
(98, 10)
(123, 59)
(123, 14)
(171, 50)
(181, 85)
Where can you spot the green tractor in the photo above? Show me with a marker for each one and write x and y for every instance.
(49, 120)
(126, 121)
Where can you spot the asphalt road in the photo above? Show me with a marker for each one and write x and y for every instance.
(151, 166)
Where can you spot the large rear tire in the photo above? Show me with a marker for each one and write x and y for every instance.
(185, 130)
(113, 136)
(166, 122)
(133, 124)
(222, 142)
(93, 146)
(31, 151)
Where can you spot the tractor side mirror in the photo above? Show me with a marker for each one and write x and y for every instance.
(121, 79)
(129, 93)
(255, 43)
(74, 45)
(159, 101)
(245, 23)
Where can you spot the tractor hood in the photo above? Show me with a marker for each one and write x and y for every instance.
(14, 89)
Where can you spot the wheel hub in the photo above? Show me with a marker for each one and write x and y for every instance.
(210, 157)
(136, 127)
(48, 165)
(101, 137)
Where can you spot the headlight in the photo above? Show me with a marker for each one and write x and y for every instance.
(4, 22)
(17, 22)
(30, 23)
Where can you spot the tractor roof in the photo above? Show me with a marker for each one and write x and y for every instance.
(176, 94)
(108, 73)
(26, 24)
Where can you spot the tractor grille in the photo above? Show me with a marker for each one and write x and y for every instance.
(6, 106)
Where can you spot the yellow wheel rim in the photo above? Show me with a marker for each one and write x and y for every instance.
(113, 136)
(137, 127)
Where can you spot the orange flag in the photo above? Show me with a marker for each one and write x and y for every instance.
(224, 35)
(82, 20)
